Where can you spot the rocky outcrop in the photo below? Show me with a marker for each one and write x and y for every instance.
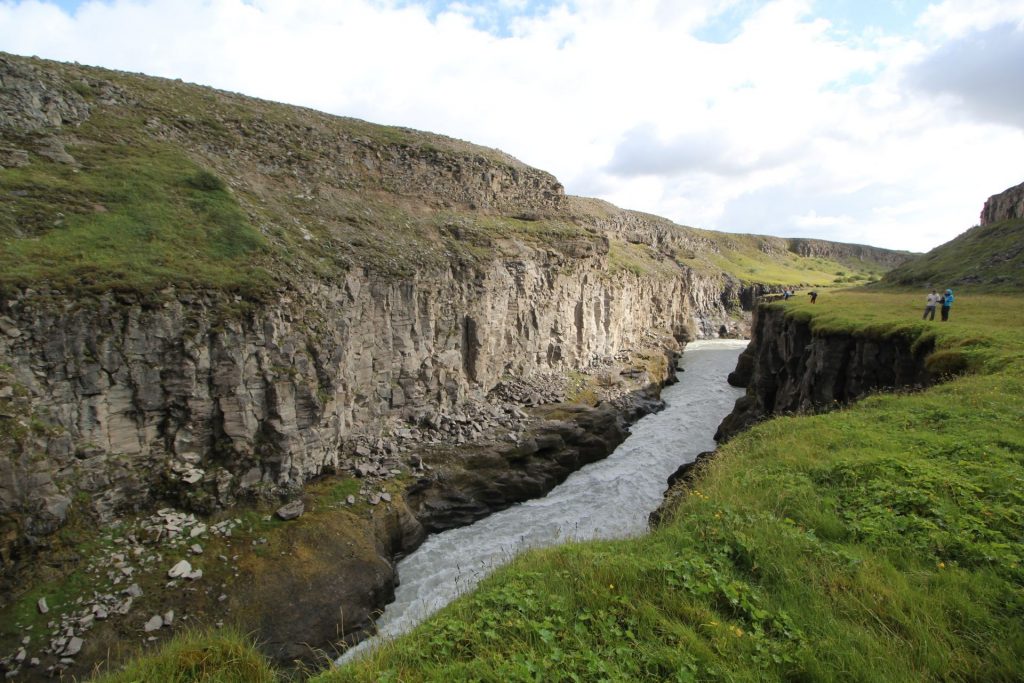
(1003, 206)
(789, 368)
(196, 401)
(566, 438)
(847, 253)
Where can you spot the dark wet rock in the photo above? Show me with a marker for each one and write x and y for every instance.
(789, 369)
(679, 482)
(494, 478)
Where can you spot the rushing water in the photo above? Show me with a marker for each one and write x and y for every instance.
(611, 498)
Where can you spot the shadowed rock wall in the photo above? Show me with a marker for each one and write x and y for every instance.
(195, 400)
(789, 369)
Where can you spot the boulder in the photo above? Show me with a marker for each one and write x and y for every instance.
(292, 510)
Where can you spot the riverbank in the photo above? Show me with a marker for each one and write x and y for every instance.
(609, 498)
(309, 587)
(879, 542)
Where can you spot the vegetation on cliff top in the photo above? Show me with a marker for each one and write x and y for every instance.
(137, 216)
(164, 183)
(878, 542)
(989, 257)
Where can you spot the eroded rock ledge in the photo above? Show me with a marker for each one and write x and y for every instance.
(787, 368)
(790, 369)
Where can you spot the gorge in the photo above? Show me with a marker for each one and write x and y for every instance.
(211, 302)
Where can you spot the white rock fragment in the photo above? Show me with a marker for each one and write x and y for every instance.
(197, 530)
(196, 549)
(168, 617)
(74, 646)
(43, 607)
(155, 623)
(180, 569)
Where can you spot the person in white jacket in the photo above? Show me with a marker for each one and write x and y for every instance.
(929, 306)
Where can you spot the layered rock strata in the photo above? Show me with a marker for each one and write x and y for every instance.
(788, 368)
(191, 402)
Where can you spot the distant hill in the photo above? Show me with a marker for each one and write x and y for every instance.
(988, 256)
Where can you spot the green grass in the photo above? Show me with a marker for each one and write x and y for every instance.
(753, 265)
(880, 542)
(136, 216)
(989, 257)
(223, 656)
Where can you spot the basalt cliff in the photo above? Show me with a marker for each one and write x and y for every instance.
(789, 368)
(209, 299)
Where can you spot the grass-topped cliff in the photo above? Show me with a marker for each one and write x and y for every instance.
(880, 542)
(116, 181)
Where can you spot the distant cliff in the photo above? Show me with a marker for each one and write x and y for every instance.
(1004, 206)
(847, 253)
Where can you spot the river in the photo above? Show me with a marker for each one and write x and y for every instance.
(611, 498)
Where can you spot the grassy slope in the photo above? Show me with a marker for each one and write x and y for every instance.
(990, 256)
(129, 219)
(880, 542)
(201, 189)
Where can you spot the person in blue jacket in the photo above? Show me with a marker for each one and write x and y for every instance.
(947, 303)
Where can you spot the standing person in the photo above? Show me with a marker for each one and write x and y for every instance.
(813, 295)
(947, 303)
(929, 305)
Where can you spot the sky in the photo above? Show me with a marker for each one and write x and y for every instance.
(883, 123)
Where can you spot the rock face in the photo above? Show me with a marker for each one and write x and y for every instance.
(1003, 206)
(175, 401)
(789, 369)
(846, 252)
(512, 473)
(194, 397)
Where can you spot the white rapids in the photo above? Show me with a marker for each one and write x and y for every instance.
(611, 498)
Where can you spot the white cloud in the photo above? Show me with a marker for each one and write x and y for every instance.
(789, 121)
(811, 219)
